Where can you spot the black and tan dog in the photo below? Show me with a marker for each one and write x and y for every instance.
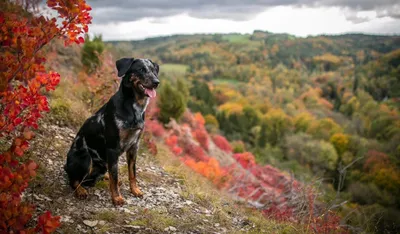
(114, 129)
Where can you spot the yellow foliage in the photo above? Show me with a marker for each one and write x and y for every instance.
(303, 121)
(324, 128)
(211, 120)
(329, 58)
(340, 141)
(231, 107)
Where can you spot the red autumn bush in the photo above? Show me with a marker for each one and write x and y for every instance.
(201, 136)
(171, 140)
(245, 159)
(23, 80)
(375, 159)
(155, 128)
(196, 152)
(222, 143)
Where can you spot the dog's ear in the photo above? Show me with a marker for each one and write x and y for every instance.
(156, 66)
(123, 65)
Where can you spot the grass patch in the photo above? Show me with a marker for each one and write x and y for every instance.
(66, 105)
(260, 224)
(221, 81)
(108, 215)
(236, 38)
(101, 184)
(154, 220)
(172, 69)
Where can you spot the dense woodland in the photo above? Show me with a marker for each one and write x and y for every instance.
(324, 108)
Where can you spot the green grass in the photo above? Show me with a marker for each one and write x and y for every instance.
(173, 69)
(236, 38)
(220, 81)
(154, 220)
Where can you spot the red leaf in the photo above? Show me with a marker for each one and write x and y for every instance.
(17, 121)
(18, 151)
(81, 40)
(48, 223)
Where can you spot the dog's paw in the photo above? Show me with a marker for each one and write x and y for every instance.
(81, 193)
(136, 192)
(118, 201)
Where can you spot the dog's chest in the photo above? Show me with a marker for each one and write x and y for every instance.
(129, 138)
(130, 129)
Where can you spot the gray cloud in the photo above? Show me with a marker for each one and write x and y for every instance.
(105, 11)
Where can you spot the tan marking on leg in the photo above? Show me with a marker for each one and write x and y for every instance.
(80, 192)
(116, 197)
(132, 178)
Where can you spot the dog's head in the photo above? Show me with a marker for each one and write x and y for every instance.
(139, 74)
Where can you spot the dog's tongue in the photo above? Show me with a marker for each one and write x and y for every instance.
(150, 92)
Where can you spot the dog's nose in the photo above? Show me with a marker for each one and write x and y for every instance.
(156, 83)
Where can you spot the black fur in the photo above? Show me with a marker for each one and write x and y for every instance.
(114, 129)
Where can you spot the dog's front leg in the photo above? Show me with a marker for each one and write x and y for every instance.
(131, 159)
(112, 164)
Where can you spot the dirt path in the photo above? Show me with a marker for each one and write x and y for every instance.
(168, 205)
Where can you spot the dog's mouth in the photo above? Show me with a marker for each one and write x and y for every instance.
(150, 92)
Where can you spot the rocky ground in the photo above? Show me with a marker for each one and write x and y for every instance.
(170, 203)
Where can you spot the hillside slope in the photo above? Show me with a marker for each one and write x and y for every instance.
(175, 200)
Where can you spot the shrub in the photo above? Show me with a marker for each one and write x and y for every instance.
(201, 136)
(222, 143)
(303, 121)
(324, 128)
(246, 159)
(23, 79)
(340, 141)
(212, 124)
(171, 103)
(320, 155)
(275, 124)
(91, 51)
(238, 147)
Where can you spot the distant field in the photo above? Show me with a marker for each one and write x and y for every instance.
(236, 38)
(221, 81)
(173, 68)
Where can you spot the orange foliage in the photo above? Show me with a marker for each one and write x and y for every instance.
(23, 79)
(171, 140)
(198, 117)
(210, 169)
(245, 159)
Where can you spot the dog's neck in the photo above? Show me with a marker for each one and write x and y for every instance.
(135, 100)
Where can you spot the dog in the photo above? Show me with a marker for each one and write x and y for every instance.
(114, 129)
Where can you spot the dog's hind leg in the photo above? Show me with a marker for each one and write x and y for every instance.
(80, 192)
(78, 172)
(131, 159)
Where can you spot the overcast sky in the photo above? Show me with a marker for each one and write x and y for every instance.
(138, 19)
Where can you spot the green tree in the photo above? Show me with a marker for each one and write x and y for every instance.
(182, 87)
(277, 124)
(171, 103)
(91, 51)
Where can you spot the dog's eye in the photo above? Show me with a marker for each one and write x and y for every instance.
(143, 69)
